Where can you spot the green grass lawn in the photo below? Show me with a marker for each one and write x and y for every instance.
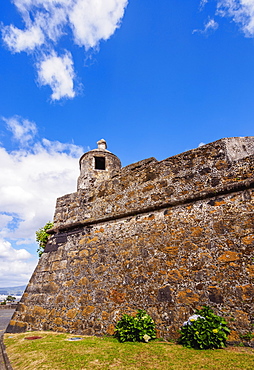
(54, 352)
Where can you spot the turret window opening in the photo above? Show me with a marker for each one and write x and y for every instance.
(100, 163)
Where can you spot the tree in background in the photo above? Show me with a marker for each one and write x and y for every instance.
(42, 237)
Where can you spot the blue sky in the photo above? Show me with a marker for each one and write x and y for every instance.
(153, 78)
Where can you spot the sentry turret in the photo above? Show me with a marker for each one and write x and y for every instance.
(96, 166)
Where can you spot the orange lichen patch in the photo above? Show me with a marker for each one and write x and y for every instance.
(233, 336)
(248, 240)
(174, 276)
(104, 315)
(83, 241)
(88, 310)
(219, 203)
(95, 258)
(22, 307)
(59, 265)
(187, 297)
(92, 240)
(84, 253)
(69, 300)
(171, 250)
(232, 264)
(250, 270)
(110, 329)
(247, 292)
(59, 298)
(20, 324)
(58, 321)
(242, 317)
(83, 281)
(221, 164)
(229, 256)
(72, 254)
(100, 269)
(83, 262)
(196, 231)
(149, 218)
(101, 230)
(117, 297)
(205, 256)
(162, 272)
(39, 311)
(72, 313)
(147, 188)
(190, 246)
(68, 283)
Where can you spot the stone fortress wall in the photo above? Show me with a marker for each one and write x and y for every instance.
(166, 236)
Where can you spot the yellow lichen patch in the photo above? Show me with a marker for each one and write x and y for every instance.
(171, 250)
(117, 297)
(148, 188)
(110, 329)
(88, 310)
(187, 297)
(174, 276)
(72, 254)
(101, 230)
(84, 253)
(83, 241)
(219, 203)
(58, 321)
(100, 269)
(250, 270)
(104, 315)
(229, 256)
(72, 313)
(22, 307)
(248, 240)
(68, 283)
(95, 258)
(196, 231)
(59, 298)
(39, 311)
(92, 240)
(83, 281)
(59, 265)
(248, 292)
(20, 324)
(233, 336)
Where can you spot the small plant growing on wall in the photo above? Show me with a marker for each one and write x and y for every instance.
(204, 330)
(42, 237)
(140, 328)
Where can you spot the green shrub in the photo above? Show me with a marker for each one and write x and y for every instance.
(204, 330)
(140, 328)
(42, 237)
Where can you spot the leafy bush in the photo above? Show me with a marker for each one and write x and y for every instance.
(204, 330)
(140, 328)
(42, 237)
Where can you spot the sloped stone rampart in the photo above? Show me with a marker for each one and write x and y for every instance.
(185, 240)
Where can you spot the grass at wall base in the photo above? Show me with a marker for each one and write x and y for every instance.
(54, 352)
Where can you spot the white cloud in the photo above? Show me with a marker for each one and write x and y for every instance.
(16, 265)
(58, 73)
(26, 40)
(31, 179)
(202, 4)
(241, 11)
(210, 25)
(46, 21)
(22, 129)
